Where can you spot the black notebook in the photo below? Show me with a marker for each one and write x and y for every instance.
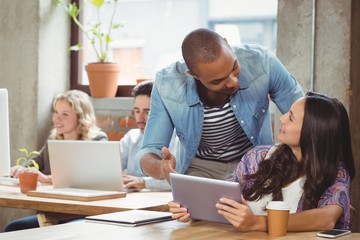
(131, 217)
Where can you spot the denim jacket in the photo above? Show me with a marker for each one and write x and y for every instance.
(175, 103)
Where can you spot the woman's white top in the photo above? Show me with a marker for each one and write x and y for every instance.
(291, 194)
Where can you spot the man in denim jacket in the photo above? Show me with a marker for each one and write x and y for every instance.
(218, 102)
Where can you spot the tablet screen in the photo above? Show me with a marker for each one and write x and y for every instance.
(199, 195)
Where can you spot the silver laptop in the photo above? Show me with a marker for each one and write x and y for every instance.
(199, 195)
(92, 165)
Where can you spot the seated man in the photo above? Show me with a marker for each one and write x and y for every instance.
(131, 143)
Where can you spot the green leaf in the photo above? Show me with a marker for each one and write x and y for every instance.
(72, 10)
(19, 160)
(117, 25)
(33, 153)
(108, 39)
(97, 3)
(32, 162)
(76, 47)
(25, 151)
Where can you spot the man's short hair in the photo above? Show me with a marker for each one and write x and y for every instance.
(143, 88)
(202, 46)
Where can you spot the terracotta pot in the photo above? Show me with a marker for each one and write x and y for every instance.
(103, 79)
(28, 181)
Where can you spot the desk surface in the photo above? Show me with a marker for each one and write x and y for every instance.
(12, 197)
(158, 231)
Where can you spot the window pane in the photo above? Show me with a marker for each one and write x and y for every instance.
(152, 35)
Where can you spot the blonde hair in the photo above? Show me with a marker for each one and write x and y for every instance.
(81, 104)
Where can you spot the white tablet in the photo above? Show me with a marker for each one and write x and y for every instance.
(199, 195)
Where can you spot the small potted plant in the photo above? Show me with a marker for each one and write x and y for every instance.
(27, 179)
(103, 75)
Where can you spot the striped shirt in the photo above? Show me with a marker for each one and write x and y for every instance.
(222, 139)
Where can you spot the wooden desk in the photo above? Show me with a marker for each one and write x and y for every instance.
(13, 198)
(158, 231)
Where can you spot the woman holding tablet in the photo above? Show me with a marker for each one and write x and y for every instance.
(311, 169)
(73, 119)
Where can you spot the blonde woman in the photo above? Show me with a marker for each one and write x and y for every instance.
(73, 119)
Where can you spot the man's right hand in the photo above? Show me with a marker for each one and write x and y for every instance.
(168, 163)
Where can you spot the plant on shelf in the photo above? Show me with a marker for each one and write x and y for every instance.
(27, 179)
(99, 35)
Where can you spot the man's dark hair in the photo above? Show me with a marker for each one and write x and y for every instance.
(202, 46)
(143, 88)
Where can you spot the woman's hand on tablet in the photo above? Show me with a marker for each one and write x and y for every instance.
(179, 213)
(240, 215)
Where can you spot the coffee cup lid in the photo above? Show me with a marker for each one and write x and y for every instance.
(278, 205)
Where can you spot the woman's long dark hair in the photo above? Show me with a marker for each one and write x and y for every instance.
(325, 141)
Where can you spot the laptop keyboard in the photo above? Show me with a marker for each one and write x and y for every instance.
(9, 181)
